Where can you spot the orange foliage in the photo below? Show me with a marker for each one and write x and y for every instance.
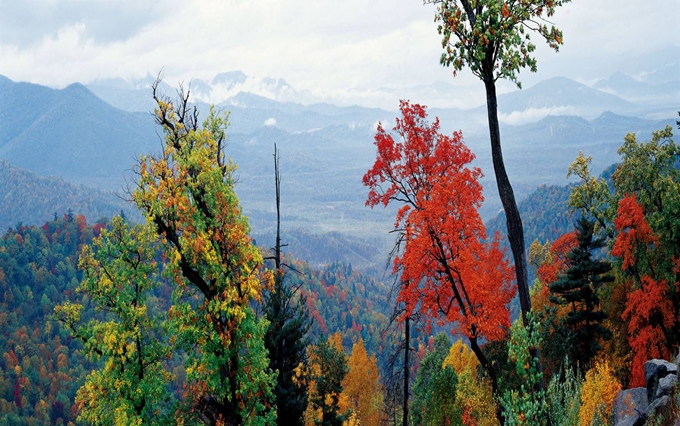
(361, 387)
(451, 273)
(598, 393)
(633, 229)
(644, 308)
(648, 309)
(556, 263)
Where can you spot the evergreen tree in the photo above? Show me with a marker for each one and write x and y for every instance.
(285, 338)
(578, 288)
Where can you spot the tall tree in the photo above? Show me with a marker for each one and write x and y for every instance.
(649, 309)
(450, 273)
(285, 338)
(492, 38)
(187, 193)
(578, 289)
(119, 273)
(361, 390)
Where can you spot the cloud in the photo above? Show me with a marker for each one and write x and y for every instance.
(28, 22)
(271, 121)
(324, 46)
(531, 115)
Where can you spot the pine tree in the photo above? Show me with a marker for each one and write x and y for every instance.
(578, 288)
(285, 338)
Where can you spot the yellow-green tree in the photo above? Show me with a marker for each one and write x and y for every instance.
(597, 395)
(119, 272)
(187, 194)
(361, 390)
(327, 368)
(474, 395)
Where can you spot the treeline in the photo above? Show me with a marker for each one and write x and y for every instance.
(32, 199)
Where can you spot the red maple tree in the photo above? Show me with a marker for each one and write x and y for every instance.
(649, 310)
(448, 270)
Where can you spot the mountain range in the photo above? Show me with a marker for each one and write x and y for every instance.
(93, 136)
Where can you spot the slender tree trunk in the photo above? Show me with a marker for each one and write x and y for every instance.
(277, 181)
(513, 219)
(407, 337)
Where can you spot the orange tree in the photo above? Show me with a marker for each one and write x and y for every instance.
(449, 273)
(187, 194)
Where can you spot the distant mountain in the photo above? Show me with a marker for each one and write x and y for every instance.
(32, 200)
(558, 96)
(665, 93)
(72, 134)
(325, 149)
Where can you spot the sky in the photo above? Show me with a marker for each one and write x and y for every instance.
(318, 45)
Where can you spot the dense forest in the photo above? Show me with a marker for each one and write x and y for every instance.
(563, 310)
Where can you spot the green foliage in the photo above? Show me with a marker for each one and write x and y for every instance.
(329, 367)
(286, 343)
(187, 193)
(119, 272)
(434, 389)
(578, 289)
(564, 397)
(492, 37)
(41, 367)
(525, 405)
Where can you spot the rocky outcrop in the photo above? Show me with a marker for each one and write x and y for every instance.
(632, 407)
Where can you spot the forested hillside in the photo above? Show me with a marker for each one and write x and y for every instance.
(222, 248)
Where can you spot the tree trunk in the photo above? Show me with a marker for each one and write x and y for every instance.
(407, 336)
(513, 219)
(491, 371)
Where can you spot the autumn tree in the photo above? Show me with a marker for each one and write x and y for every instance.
(474, 396)
(361, 388)
(131, 386)
(649, 309)
(285, 339)
(492, 38)
(434, 389)
(449, 272)
(578, 289)
(639, 216)
(328, 368)
(187, 194)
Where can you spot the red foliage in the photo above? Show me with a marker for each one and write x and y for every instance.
(557, 264)
(648, 308)
(633, 229)
(450, 273)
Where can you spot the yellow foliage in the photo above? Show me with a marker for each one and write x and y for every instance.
(361, 387)
(473, 395)
(461, 358)
(597, 395)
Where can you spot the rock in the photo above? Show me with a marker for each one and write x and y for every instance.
(660, 407)
(655, 370)
(666, 385)
(628, 405)
(631, 421)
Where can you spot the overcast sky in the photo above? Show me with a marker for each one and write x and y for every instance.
(314, 44)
